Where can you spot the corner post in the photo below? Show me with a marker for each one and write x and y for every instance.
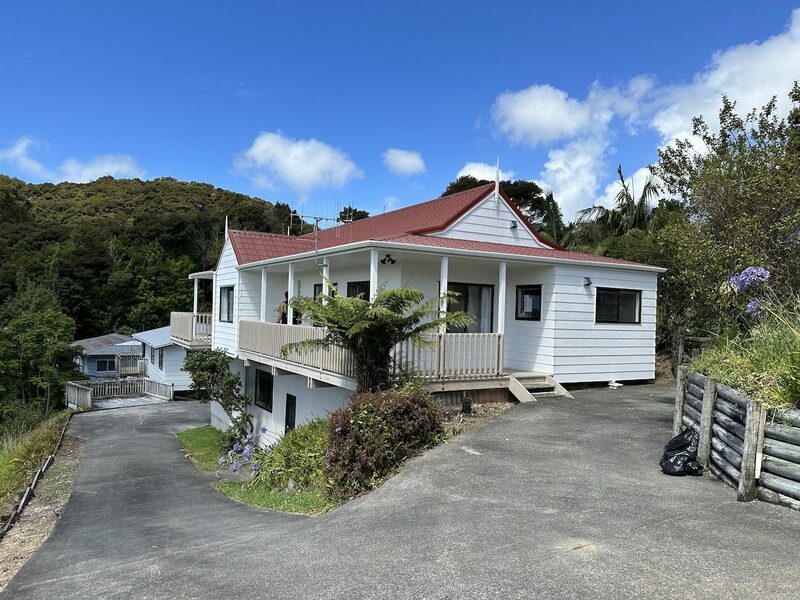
(443, 269)
(373, 274)
(501, 298)
(196, 290)
(263, 311)
(680, 400)
(706, 420)
(753, 440)
(290, 291)
(326, 275)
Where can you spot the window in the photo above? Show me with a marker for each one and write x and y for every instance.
(618, 306)
(152, 355)
(318, 289)
(160, 359)
(263, 395)
(529, 303)
(358, 288)
(106, 365)
(226, 304)
(477, 300)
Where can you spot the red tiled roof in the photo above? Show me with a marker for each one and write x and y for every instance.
(456, 244)
(252, 246)
(405, 226)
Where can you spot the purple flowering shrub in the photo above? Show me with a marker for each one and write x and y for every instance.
(243, 457)
(375, 433)
(749, 277)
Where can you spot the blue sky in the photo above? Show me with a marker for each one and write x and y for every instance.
(300, 101)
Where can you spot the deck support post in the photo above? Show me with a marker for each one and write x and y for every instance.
(263, 311)
(373, 274)
(196, 289)
(290, 292)
(501, 298)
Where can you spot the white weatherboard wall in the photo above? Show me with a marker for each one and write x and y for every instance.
(173, 362)
(219, 419)
(490, 221)
(312, 403)
(224, 334)
(529, 345)
(586, 351)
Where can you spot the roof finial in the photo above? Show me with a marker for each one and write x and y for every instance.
(226, 226)
(497, 182)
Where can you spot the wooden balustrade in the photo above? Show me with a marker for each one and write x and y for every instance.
(442, 356)
(80, 394)
(131, 365)
(190, 327)
(267, 339)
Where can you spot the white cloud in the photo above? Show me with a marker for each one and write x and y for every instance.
(72, 169)
(540, 113)
(303, 165)
(403, 162)
(749, 74)
(480, 170)
(116, 165)
(572, 172)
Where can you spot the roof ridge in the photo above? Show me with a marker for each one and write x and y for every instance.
(406, 208)
(266, 233)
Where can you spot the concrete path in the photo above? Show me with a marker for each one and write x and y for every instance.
(553, 499)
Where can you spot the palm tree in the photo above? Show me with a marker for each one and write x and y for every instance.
(628, 213)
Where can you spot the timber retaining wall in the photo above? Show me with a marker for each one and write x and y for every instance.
(753, 450)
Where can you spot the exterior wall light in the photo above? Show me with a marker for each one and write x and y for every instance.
(388, 259)
(512, 224)
(587, 282)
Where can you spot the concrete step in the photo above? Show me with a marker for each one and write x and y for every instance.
(535, 388)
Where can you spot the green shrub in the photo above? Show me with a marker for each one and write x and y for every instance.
(375, 433)
(763, 364)
(299, 458)
(21, 455)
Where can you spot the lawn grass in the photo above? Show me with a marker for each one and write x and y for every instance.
(203, 446)
(21, 455)
(306, 502)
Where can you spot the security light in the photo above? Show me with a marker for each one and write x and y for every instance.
(587, 281)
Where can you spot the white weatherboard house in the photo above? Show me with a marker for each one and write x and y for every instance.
(543, 315)
(164, 358)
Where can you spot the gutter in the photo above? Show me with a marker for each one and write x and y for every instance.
(438, 250)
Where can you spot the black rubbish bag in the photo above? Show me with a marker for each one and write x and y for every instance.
(680, 455)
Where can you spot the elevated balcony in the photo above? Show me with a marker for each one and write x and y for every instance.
(128, 365)
(191, 330)
(445, 357)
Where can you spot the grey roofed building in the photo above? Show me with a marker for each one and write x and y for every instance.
(156, 338)
(102, 342)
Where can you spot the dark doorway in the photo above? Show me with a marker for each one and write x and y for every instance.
(291, 411)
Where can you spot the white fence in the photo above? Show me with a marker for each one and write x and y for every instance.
(190, 327)
(81, 394)
(441, 356)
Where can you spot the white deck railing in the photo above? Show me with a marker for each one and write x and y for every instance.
(131, 365)
(190, 327)
(267, 339)
(80, 394)
(445, 356)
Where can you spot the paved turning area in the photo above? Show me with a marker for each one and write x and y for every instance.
(554, 499)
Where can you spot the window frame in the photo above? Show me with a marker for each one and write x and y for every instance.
(617, 291)
(451, 329)
(160, 359)
(106, 361)
(265, 404)
(361, 284)
(227, 290)
(318, 289)
(152, 355)
(521, 288)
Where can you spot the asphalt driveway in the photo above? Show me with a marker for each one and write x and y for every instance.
(555, 499)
